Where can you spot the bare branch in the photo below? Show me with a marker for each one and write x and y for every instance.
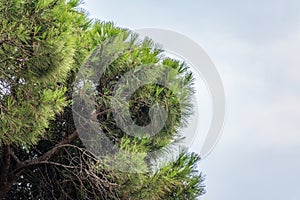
(46, 156)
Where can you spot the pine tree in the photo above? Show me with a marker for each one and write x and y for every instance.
(44, 43)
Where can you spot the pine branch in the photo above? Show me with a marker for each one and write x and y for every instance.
(46, 156)
(7, 179)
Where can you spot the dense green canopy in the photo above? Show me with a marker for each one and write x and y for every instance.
(43, 46)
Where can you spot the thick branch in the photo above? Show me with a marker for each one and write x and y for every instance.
(6, 178)
(46, 156)
(5, 165)
(52, 151)
(4, 171)
(15, 158)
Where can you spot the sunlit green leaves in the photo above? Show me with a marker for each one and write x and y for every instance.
(38, 47)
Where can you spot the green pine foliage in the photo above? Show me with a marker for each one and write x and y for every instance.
(37, 51)
(43, 44)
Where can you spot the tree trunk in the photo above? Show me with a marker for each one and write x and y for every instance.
(5, 182)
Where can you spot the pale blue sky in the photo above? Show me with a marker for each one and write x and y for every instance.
(255, 46)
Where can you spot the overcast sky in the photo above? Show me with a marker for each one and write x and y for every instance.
(255, 46)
